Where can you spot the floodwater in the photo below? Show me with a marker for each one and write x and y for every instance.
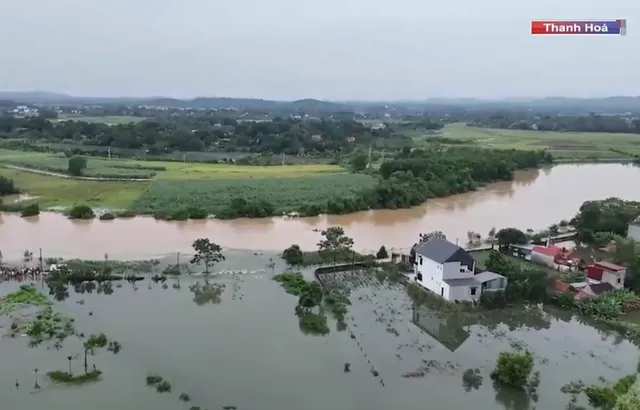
(248, 351)
(535, 199)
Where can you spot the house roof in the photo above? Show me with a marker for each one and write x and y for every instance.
(552, 251)
(600, 288)
(462, 282)
(486, 276)
(441, 251)
(636, 221)
(610, 266)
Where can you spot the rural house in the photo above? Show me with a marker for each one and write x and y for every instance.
(449, 271)
(634, 230)
(607, 272)
(553, 256)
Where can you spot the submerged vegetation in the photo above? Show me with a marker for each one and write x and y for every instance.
(62, 377)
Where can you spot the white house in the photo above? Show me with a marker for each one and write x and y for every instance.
(449, 271)
(634, 230)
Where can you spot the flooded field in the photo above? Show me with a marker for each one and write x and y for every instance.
(232, 341)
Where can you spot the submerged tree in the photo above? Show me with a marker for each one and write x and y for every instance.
(207, 252)
(293, 255)
(424, 237)
(92, 343)
(513, 369)
(335, 243)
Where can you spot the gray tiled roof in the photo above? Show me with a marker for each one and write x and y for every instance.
(437, 249)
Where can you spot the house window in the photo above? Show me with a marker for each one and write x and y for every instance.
(473, 291)
(421, 260)
(619, 281)
(419, 277)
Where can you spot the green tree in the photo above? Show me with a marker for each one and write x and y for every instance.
(76, 165)
(7, 187)
(508, 236)
(335, 242)
(382, 253)
(359, 162)
(293, 255)
(92, 343)
(513, 369)
(207, 252)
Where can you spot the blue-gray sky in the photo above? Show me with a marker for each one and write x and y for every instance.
(329, 49)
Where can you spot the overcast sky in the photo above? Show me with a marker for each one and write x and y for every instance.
(327, 49)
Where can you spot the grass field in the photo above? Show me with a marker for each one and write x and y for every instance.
(562, 145)
(176, 185)
(481, 258)
(110, 119)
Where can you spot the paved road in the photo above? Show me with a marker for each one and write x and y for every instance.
(59, 175)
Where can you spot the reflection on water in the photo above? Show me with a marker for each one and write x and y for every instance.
(445, 330)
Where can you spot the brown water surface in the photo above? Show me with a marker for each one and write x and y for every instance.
(535, 199)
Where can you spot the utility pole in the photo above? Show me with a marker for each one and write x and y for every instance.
(109, 152)
(40, 259)
(178, 263)
(283, 154)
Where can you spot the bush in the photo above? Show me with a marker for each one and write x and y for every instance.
(81, 212)
(107, 216)
(382, 253)
(76, 165)
(513, 369)
(30, 210)
(493, 300)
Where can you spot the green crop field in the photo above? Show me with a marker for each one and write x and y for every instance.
(562, 145)
(481, 258)
(286, 194)
(174, 185)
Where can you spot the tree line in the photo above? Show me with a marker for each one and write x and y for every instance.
(290, 136)
(565, 123)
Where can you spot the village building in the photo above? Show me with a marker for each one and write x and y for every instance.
(607, 272)
(449, 271)
(634, 230)
(554, 257)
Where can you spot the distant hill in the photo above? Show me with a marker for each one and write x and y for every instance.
(616, 104)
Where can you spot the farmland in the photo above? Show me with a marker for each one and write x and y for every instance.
(133, 169)
(174, 186)
(562, 145)
(215, 196)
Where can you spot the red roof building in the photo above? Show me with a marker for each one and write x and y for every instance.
(551, 251)
(610, 266)
(594, 272)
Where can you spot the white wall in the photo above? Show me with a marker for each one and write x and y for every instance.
(634, 232)
(431, 275)
(452, 271)
(464, 293)
(612, 278)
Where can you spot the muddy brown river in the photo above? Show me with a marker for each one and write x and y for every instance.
(535, 199)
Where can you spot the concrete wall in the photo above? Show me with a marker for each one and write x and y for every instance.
(452, 271)
(463, 293)
(612, 278)
(431, 275)
(634, 232)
